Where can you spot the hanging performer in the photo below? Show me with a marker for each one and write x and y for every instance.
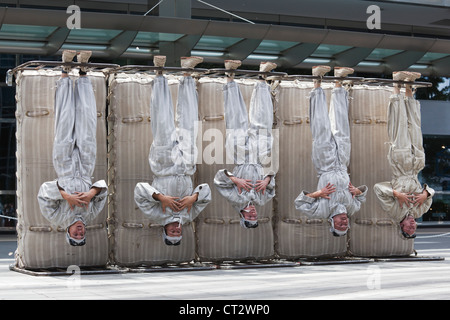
(403, 198)
(249, 141)
(336, 199)
(72, 201)
(170, 200)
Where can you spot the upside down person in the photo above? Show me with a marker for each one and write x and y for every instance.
(72, 201)
(171, 200)
(336, 199)
(403, 198)
(249, 140)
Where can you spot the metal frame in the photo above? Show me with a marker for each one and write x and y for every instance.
(223, 265)
(38, 65)
(172, 70)
(360, 80)
(245, 73)
(199, 72)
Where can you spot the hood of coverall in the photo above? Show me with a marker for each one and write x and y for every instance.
(247, 223)
(72, 241)
(338, 209)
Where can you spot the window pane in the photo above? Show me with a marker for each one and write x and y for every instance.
(437, 175)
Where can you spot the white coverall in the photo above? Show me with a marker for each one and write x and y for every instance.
(250, 144)
(173, 154)
(406, 158)
(74, 155)
(330, 155)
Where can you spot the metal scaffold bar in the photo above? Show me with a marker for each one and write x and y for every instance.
(215, 72)
(37, 64)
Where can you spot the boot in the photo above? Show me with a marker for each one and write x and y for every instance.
(267, 66)
(67, 56)
(83, 57)
(412, 76)
(232, 65)
(400, 75)
(319, 71)
(342, 71)
(190, 62)
(159, 61)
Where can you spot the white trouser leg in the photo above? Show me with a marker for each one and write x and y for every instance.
(86, 125)
(324, 155)
(339, 124)
(187, 120)
(64, 141)
(236, 120)
(261, 122)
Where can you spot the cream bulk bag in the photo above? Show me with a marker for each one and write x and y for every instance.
(134, 239)
(373, 233)
(296, 235)
(41, 245)
(218, 231)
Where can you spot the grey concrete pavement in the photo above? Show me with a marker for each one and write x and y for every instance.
(373, 280)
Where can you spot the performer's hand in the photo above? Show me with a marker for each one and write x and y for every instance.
(242, 184)
(353, 190)
(73, 200)
(168, 201)
(420, 198)
(326, 191)
(403, 198)
(262, 184)
(188, 201)
(87, 196)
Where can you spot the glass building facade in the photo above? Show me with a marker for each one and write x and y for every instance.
(8, 181)
(437, 174)
(7, 145)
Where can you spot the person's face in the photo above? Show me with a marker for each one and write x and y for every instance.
(250, 213)
(77, 230)
(173, 229)
(341, 222)
(409, 225)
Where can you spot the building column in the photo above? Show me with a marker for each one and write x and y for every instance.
(172, 50)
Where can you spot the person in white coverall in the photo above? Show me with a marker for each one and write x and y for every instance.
(336, 198)
(171, 200)
(72, 201)
(249, 140)
(403, 198)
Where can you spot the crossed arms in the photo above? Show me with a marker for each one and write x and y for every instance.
(79, 199)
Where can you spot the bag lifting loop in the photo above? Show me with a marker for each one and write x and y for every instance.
(37, 113)
(357, 121)
(133, 120)
(214, 118)
(214, 221)
(40, 229)
(133, 225)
